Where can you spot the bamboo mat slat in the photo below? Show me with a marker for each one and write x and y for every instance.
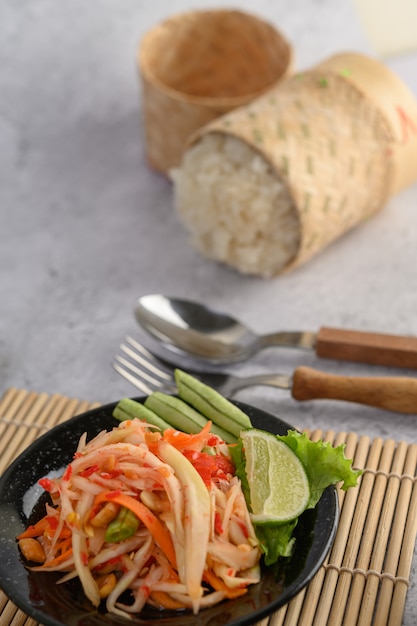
(365, 578)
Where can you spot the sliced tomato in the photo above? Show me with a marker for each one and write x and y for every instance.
(209, 466)
(224, 465)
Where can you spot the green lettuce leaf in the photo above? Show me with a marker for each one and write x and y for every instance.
(325, 465)
(276, 540)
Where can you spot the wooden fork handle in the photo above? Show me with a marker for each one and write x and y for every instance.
(364, 347)
(393, 393)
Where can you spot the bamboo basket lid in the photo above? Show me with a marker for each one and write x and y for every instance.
(198, 65)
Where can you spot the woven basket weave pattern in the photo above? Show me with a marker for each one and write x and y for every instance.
(328, 142)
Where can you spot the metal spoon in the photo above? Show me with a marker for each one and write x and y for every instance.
(189, 328)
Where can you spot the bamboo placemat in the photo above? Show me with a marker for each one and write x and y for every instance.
(365, 578)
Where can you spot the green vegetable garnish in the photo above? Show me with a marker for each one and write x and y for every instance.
(124, 526)
(323, 464)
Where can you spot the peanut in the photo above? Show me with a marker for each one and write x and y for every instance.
(106, 584)
(154, 502)
(109, 464)
(105, 515)
(32, 550)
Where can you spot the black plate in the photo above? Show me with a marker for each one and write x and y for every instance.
(65, 605)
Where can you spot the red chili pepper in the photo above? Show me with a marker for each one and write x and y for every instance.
(244, 528)
(218, 523)
(114, 561)
(113, 494)
(84, 558)
(68, 473)
(47, 484)
(110, 475)
(90, 470)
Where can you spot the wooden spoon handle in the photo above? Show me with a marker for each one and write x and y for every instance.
(393, 393)
(364, 347)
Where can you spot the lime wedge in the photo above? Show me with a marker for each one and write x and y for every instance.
(278, 484)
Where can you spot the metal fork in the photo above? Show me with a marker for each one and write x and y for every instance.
(149, 373)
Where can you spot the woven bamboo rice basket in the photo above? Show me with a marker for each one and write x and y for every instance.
(196, 66)
(342, 137)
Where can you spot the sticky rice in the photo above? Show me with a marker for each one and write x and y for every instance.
(235, 207)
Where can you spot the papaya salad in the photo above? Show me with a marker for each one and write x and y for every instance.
(176, 505)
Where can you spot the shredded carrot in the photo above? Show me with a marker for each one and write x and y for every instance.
(36, 530)
(219, 585)
(63, 550)
(58, 559)
(64, 544)
(182, 440)
(158, 531)
(65, 533)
